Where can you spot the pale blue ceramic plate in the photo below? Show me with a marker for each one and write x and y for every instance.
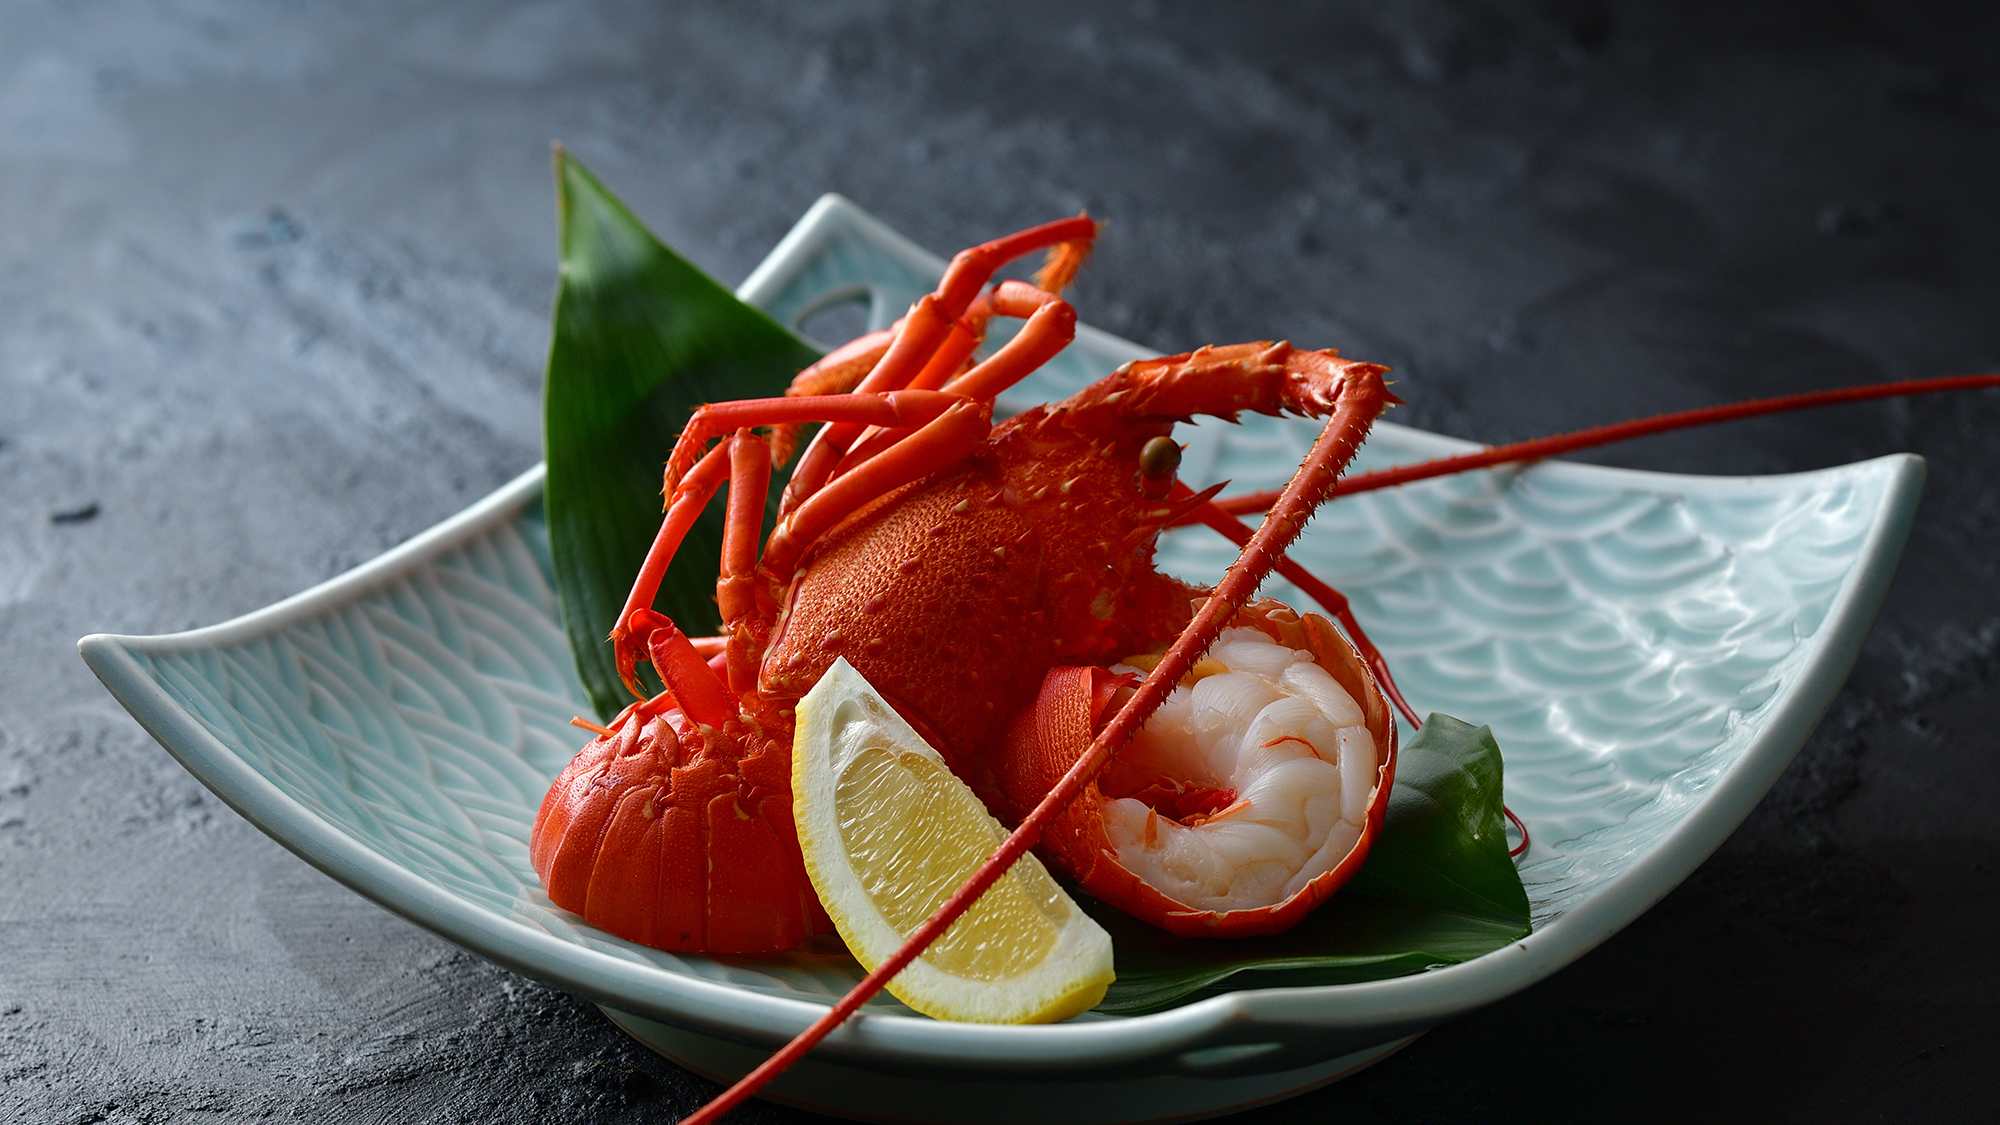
(1651, 650)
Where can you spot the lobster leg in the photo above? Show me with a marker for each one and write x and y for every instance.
(959, 344)
(693, 682)
(931, 320)
(951, 425)
(893, 408)
(735, 587)
(1009, 298)
(836, 373)
(929, 326)
(940, 443)
(685, 503)
(1051, 325)
(692, 685)
(689, 495)
(842, 370)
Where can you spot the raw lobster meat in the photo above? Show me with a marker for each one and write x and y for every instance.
(961, 567)
(1246, 807)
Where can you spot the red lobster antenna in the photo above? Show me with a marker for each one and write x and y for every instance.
(1361, 399)
(1538, 448)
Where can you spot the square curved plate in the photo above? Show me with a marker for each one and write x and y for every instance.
(1651, 650)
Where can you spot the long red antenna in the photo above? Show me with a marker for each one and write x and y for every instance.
(1269, 543)
(1560, 444)
(1359, 404)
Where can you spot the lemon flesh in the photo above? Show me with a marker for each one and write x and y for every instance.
(889, 833)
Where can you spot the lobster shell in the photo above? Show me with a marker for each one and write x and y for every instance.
(1048, 738)
(613, 838)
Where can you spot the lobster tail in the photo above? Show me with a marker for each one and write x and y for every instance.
(653, 835)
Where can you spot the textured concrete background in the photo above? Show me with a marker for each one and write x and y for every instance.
(274, 283)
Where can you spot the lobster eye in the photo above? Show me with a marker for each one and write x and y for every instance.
(1159, 458)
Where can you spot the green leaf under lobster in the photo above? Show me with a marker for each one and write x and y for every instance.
(641, 337)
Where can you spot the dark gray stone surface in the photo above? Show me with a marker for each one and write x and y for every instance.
(273, 294)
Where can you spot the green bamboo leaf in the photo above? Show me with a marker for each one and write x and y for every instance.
(1445, 845)
(641, 337)
(1438, 889)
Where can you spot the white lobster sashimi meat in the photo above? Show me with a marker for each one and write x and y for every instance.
(1252, 793)
(1245, 786)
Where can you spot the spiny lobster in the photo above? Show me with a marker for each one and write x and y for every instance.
(960, 566)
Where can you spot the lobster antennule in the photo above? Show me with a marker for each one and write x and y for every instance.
(1262, 377)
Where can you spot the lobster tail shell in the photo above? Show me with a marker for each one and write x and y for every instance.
(1049, 737)
(677, 846)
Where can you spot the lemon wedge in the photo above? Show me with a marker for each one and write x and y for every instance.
(889, 833)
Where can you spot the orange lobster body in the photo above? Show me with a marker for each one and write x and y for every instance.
(954, 596)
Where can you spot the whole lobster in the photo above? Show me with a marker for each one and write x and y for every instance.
(976, 574)
(962, 567)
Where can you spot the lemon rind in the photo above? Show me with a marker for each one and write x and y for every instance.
(1070, 979)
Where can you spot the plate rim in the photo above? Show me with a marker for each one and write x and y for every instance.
(1300, 1015)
